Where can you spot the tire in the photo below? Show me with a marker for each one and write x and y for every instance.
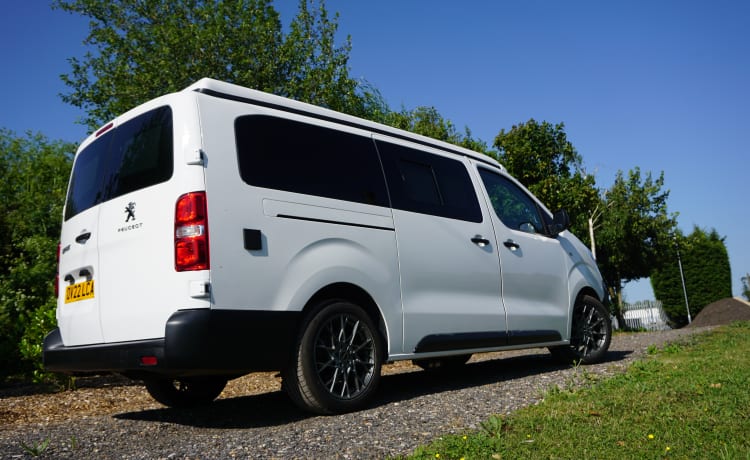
(590, 335)
(446, 363)
(337, 360)
(187, 392)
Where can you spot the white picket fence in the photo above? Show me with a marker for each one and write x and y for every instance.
(647, 315)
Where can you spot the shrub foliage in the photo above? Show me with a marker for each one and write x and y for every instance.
(34, 174)
(708, 276)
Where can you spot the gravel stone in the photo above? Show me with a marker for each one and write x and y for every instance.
(412, 407)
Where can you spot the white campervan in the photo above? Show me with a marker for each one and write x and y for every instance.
(220, 230)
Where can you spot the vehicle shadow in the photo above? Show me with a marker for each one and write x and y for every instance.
(275, 408)
(416, 384)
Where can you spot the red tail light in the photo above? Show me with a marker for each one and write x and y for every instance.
(191, 233)
(104, 129)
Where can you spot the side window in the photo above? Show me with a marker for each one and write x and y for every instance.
(297, 157)
(429, 184)
(515, 208)
(419, 182)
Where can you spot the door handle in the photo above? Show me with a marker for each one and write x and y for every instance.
(512, 245)
(83, 237)
(480, 241)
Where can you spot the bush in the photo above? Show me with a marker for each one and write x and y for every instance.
(33, 179)
(708, 276)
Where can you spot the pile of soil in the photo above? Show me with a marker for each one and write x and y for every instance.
(722, 311)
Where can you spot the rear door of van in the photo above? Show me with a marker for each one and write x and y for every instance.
(128, 179)
(135, 228)
(78, 302)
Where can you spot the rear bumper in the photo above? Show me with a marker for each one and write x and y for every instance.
(196, 342)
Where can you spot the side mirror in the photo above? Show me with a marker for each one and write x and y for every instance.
(527, 227)
(560, 222)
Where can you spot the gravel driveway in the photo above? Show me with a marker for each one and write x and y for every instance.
(411, 408)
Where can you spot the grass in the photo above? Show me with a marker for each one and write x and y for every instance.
(687, 400)
(35, 449)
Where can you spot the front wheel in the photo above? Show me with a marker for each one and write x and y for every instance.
(590, 335)
(336, 365)
(185, 392)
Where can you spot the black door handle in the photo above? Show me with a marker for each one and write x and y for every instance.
(83, 237)
(512, 245)
(480, 241)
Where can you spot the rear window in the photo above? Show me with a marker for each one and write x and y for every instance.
(132, 156)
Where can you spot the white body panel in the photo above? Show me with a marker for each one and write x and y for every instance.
(535, 282)
(132, 254)
(80, 322)
(449, 284)
(302, 251)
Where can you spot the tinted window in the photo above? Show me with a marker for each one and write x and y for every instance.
(419, 182)
(141, 153)
(429, 184)
(297, 157)
(132, 156)
(515, 208)
(85, 188)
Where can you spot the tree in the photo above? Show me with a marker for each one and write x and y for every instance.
(140, 50)
(746, 286)
(313, 69)
(33, 181)
(636, 230)
(708, 277)
(541, 157)
(427, 121)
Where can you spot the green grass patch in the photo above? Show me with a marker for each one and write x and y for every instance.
(686, 400)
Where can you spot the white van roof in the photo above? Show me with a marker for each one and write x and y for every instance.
(238, 93)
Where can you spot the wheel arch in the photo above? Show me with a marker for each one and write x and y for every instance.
(583, 291)
(587, 291)
(356, 295)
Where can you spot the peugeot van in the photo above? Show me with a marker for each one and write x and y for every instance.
(219, 231)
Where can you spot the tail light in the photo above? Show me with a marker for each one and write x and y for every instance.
(57, 273)
(191, 233)
(104, 129)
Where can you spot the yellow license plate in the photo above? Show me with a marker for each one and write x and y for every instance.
(79, 291)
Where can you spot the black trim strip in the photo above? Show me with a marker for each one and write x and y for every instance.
(336, 222)
(530, 337)
(488, 339)
(353, 124)
(467, 340)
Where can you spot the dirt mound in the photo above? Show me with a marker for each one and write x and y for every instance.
(722, 311)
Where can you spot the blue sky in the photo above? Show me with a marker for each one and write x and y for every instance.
(660, 85)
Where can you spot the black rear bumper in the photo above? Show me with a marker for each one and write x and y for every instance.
(196, 342)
